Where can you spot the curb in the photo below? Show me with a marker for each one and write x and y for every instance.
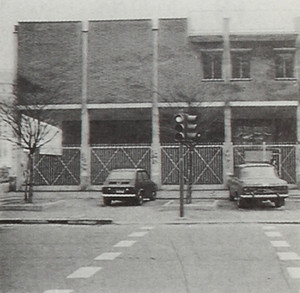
(57, 221)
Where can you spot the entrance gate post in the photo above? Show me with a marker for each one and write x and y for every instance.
(85, 129)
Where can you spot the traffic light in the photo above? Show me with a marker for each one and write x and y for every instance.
(191, 127)
(180, 127)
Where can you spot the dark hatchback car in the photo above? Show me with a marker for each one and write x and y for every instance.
(128, 185)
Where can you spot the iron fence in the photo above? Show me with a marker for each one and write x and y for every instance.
(282, 156)
(207, 164)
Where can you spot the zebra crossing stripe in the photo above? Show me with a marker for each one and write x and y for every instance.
(273, 234)
(84, 272)
(58, 291)
(288, 256)
(280, 243)
(108, 256)
(294, 272)
(124, 243)
(138, 234)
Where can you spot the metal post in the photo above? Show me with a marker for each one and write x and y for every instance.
(190, 174)
(181, 181)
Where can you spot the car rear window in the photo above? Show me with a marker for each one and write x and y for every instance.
(258, 172)
(121, 175)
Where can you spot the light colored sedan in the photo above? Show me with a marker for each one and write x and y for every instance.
(254, 183)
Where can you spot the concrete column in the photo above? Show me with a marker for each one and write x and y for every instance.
(226, 64)
(156, 147)
(228, 147)
(297, 75)
(226, 71)
(85, 161)
(18, 158)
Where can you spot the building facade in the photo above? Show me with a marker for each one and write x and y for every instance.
(114, 87)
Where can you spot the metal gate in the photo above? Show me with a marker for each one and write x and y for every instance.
(282, 156)
(207, 164)
(106, 158)
(58, 170)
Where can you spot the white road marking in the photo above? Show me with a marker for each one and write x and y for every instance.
(168, 203)
(147, 228)
(108, 256)
(58, 291)
(294, 272)
(84, 272)
(288, 256)
(138, 234)
(280, 243)
(269, 227)
(124, 243)
(273, 234)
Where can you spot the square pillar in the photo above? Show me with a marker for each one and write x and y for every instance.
(156, 147)
(227, 146)
(85, 162)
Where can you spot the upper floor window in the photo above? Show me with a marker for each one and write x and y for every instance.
(212, 64)
(240, 62)
(284, 63)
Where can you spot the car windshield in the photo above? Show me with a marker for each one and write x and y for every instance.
(122, 175)
(258, 172)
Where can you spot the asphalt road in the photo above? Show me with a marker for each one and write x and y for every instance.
(150, 258)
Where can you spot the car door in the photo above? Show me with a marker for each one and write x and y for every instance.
(140, 185)
(147, 184)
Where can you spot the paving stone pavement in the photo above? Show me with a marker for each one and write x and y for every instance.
(85, 208)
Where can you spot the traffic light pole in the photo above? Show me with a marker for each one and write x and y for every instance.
(190, 175)
(181, 180)
(186, 134)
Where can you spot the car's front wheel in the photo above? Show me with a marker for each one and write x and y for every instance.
(139, 198)
(243, 203)
(231, 196)
(153, 195)
(106, 201)
(279, 202)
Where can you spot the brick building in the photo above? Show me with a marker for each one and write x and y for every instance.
(115, 85)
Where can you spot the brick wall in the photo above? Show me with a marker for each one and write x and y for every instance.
(49, 60)
(120, 61)
(180, 69)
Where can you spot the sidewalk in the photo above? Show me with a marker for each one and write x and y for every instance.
(85, 208)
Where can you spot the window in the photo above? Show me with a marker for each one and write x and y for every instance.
(212, 64)
(284, 63)
(140, 177)
(146, 176)
(240, 60)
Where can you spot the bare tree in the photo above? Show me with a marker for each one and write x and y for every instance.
(29, 127)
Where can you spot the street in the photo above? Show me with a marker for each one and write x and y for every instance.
(218, 257)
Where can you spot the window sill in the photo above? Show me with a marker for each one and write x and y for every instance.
(285, 79)
(212, 80)
(240, 79)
